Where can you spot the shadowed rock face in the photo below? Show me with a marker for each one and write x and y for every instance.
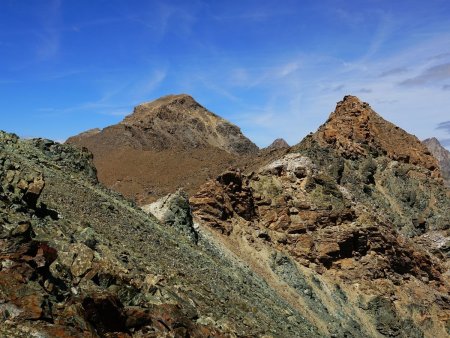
(442, 155)
(347, 212)
(163, 145)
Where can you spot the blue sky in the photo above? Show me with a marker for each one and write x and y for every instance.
(275, 68)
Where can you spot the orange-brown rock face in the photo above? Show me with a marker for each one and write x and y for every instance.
(354, 129)
(291, 208)
(345, 207)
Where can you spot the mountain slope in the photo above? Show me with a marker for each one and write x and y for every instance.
(80, 261)
(163, 145)
(442, 155)
(381, 165)
(353, 231)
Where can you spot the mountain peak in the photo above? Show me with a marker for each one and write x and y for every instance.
(279, 143)
(355, 129)
(176, 103)
(178, 99)
(442, 155)
(432, 141)
(180, 121)
(351, 106)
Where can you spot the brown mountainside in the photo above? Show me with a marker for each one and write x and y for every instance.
(163, 145)
(279, 143)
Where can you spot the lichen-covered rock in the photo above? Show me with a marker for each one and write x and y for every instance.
(174, 210)
(77, 260)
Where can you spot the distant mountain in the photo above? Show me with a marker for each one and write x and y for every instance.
(279, 143)
(171, 122)
(442, 155)
(163, 145)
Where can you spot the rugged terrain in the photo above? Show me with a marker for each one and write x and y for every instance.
(442, 155)
(341, 235)
(80, 261)
(173, 135)
(350, 229)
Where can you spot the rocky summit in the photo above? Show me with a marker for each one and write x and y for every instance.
(352, 231)
(442, 155)
(173, 135)
(346, 234)
(279, 143)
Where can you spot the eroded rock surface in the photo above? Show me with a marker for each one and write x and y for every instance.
(174, 210)
(347, 227)
(78, 260)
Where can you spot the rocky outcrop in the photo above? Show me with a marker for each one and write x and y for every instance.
(220, 200)
(442, 155)
(349, 213)
(354, 130)
(174, 210)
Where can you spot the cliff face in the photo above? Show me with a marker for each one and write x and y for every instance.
(442, 155)
(347, 227)
(163, 145)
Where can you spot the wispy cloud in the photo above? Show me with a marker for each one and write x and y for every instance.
(394, 71)
(49, 36)
(115, 113)
(444, 126)
(168, 18)
(440, 56)
(143, 88)
(432, 74)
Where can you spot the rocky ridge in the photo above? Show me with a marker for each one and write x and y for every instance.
(442, 155)
(345, 209)
(342, 235)
(78, 260)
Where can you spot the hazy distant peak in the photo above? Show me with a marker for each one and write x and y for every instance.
(441, 154)
(279, 143)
